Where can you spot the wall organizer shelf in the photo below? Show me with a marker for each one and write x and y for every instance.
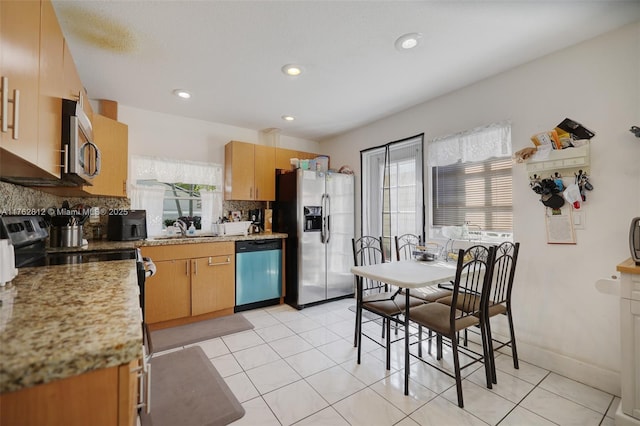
(565, 161)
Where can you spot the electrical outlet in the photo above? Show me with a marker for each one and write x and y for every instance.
(578, 220)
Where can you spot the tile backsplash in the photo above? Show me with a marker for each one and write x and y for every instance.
(15, 199)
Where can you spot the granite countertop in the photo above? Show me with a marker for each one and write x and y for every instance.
(61, 321)
(208, 239)
(103, 245)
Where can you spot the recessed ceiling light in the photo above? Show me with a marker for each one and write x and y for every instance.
(408, 41)
(288, 118)
(182, 93)
(292, 70)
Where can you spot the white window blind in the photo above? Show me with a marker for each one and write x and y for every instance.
(471, 179)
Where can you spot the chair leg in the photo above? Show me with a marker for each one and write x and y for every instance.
(388, 344)
(514, 351)
(430, 339)
(490, 353)
(487, 349)
(355, 332)
(383, 326)
(420, 341)
(439, 346)
(456, 366)
(359, 331)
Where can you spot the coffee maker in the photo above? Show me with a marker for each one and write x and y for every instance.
(256, 216)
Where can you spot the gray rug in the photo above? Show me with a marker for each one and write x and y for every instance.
(187, 390)
(182, 335)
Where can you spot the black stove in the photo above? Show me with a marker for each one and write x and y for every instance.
(28, 234)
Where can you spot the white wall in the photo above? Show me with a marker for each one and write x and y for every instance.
(170, 136)
(562, 322)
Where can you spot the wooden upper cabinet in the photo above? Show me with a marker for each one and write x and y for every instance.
(51, 91)
(283, 157)
(249, 172)
(265, 172)
(112, 138)
(72, 83)
(20, 64)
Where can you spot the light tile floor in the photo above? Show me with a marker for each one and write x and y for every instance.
(299, 367)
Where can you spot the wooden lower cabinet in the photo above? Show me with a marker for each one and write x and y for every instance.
(210, 288)
(105, 397)
(168, 292)
(190, 280)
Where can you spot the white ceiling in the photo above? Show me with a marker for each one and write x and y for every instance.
(228, 54)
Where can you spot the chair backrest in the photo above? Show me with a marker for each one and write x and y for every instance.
(504, 268)
(367, 250)
(472, 283)
(406, 245)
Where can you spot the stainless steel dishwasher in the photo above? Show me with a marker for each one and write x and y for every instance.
(258, 273)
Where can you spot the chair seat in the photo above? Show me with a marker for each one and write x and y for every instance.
(429, 294)
(473, 303)
(435, 316)
(385, 306)
(466, 302)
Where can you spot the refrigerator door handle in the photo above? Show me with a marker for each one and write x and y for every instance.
(328, 216)
(323, 237)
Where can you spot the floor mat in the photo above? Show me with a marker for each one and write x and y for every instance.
(182, 335)
(187, 390)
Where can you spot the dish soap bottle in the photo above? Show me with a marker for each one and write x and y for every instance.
(192, 230)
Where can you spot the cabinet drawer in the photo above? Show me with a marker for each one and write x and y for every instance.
(188, 251)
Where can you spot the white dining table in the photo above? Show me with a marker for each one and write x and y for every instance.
(408, 274)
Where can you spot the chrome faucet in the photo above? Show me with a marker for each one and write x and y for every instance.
(181, 226)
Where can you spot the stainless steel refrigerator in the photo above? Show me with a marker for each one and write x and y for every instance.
(316, 210)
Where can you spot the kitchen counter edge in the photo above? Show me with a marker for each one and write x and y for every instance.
(65, 320)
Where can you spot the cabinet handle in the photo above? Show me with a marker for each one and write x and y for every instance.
(16, 113)
(65, 158)
(195, 267)
(5, 107)
(187, 267)
(5, 104)
(219, 263)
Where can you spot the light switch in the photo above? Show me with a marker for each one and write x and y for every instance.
(578, 219)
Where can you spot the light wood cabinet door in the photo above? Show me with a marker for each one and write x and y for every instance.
(112, 138)
(212, 284)
(283, 158)
(239, 171)
(20, 64)
(51, 91)
(265, 173)
(168, 292)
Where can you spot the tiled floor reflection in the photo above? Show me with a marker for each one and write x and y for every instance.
(299, 367)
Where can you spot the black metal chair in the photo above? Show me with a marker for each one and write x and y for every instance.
(374, 296)
(406, 244)
(469, 302)
(499, 303)
(499, 300)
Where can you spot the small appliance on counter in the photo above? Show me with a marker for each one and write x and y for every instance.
(634, 240)
(127, 225)
(8, 269)
(257, 220)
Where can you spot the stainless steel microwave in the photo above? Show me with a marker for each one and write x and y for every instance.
(80, 155)
(634, 240)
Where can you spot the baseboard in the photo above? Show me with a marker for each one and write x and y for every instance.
(597, 377)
